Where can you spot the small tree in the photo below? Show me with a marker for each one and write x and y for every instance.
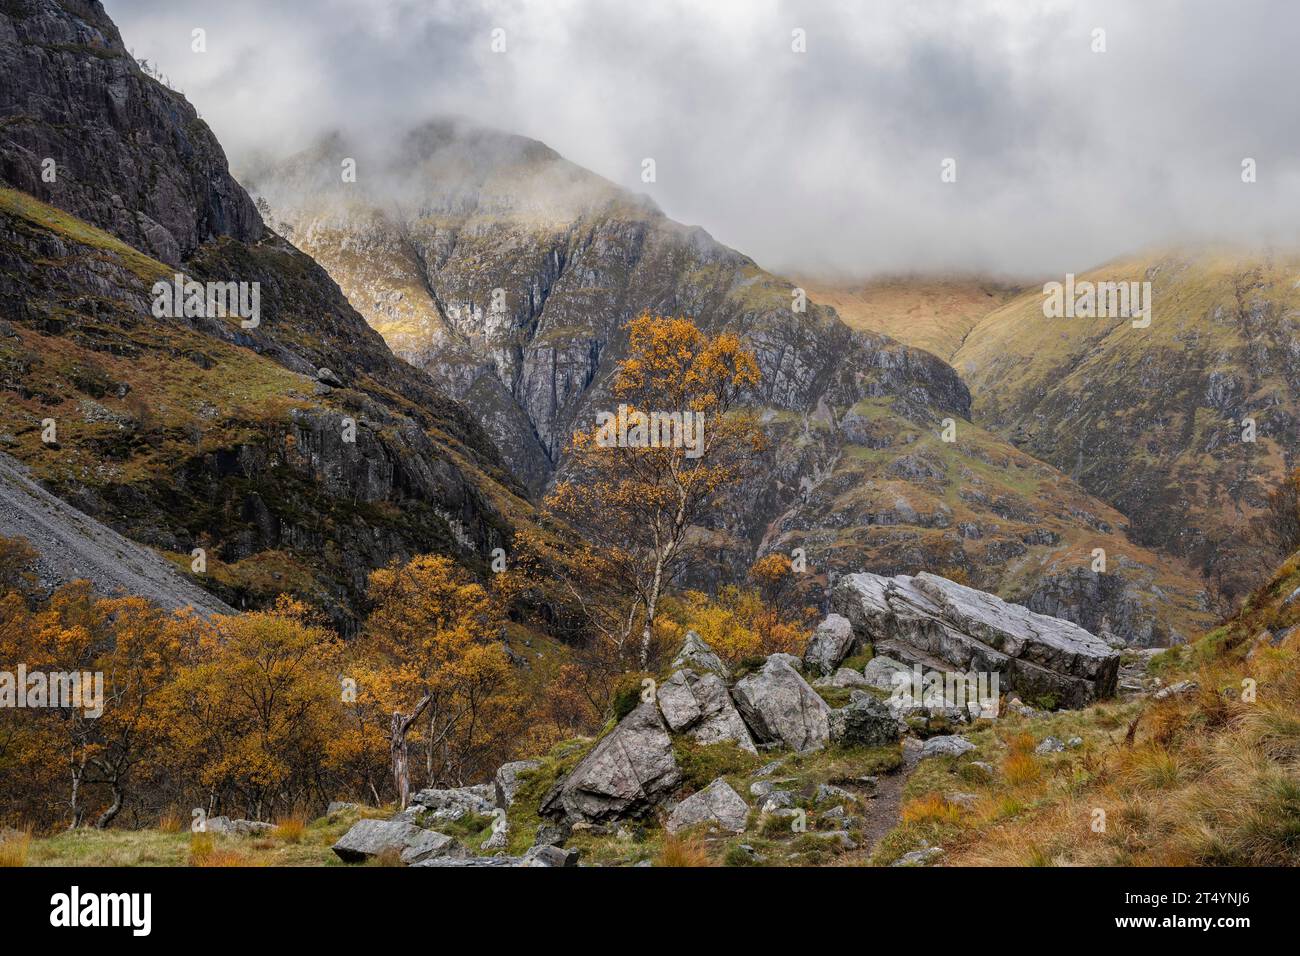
(435, 641)
(638, 490)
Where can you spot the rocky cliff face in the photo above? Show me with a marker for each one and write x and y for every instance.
(199, 432)
(130, 155)
(508, 274)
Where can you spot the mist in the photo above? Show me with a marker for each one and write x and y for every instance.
(826, 161)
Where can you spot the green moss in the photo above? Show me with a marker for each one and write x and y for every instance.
(701, 764)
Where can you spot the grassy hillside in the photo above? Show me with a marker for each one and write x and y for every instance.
(1151, 420)
(934, 313)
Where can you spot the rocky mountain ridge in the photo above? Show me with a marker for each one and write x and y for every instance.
(507, 273)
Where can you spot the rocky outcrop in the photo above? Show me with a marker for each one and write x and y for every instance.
(716, 805)
(508, 779)
(829, 645)
(699, 704)
(628, 773)
(865, 722)
(415, 844)
(942, 625)
(781, 708)
(697, 655)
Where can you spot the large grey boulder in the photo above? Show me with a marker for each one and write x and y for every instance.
(369, 838)
(717, 804)
(948, 745)
(829, 645)
(237, 827)
(942, 625)
(629, 773)
(699, 656)
(700, 704)
(507, 780)
(865, 722)
(781, 708)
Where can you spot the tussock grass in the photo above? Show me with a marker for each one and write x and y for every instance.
(14, 847)
(683, 851)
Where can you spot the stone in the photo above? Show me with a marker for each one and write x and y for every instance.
(553, 834)
(1074, 743)
(498, 838)
(778, 800)
(237, 827)
(1175, 690)
(780, 707)
(865, 721)
(700, 704)
(939, 624)
(339, 806)
(880, 671)
(630, 772)
(699, 656)
(327, 377)
(369, 838)
(1049, 745)
(923, 857)
(428, 844)
(827, 793)
(717, 805)
(951, 745)
(829, 645)
(840, 838)
(452, 804)
(507, 781)
(549, 856)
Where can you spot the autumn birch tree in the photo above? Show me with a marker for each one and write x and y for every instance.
(672, 448)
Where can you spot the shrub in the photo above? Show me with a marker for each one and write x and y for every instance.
(680, 851)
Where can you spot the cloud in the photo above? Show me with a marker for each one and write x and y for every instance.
(827, 160)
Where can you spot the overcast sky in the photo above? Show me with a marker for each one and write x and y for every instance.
(816, 161)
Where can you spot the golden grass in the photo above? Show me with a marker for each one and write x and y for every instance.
(205, 851)
(290, 829)
(931, 808)
(678, 851)
(170, 821)
(14, 847)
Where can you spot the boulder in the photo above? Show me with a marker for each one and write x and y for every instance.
(237, 827)
(717, 804)
(628, 773)
(699, 656)
(829, 645)
(1049, 745)
(429, 844)
(923, 857)
(866, 722)
(939, 624)
(549, 856)
(452, 804)
(699, 703)
(780, 707)
(951, 745)
(369, 838)
(506, 783)
(339, 806)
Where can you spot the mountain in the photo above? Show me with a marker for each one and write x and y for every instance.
(200, 431)
(1154, 420)
(507, 273)
(934, 313)
(73, 546)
